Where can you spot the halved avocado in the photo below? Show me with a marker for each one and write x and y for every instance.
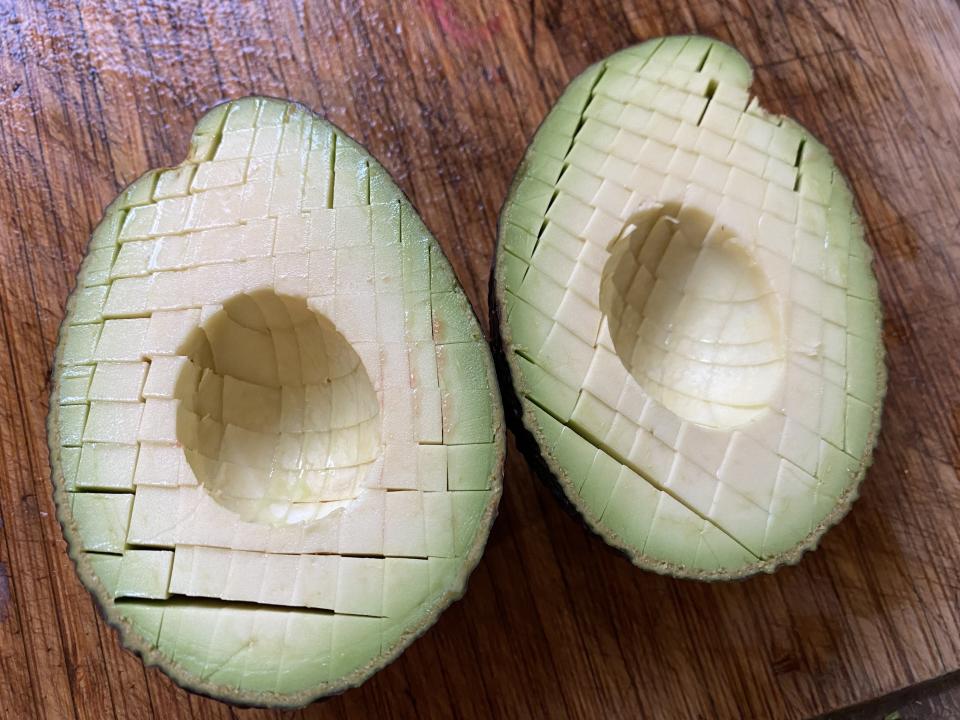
(275, 429)
(688, 316)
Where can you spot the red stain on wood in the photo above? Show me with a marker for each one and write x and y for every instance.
(468, 35)
(4, 592)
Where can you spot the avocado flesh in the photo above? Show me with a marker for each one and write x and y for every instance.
(688, 316)
(275, 429)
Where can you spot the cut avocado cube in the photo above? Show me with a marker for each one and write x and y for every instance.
(144, 574)
(686, 314)
(276, 430)
(100, 520)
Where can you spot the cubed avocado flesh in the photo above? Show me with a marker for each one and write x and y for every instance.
(275, 427)
(684, 306)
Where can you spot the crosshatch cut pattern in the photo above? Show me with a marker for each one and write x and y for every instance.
(447, 96)
(270, 392)
(688, 311)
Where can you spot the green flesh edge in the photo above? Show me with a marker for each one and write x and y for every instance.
(239, 596)
(751, 477)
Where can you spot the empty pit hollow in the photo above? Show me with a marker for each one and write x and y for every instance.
(278, 417)
(693, 317)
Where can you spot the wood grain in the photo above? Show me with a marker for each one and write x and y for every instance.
(447, 95)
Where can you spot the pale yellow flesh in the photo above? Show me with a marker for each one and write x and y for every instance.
(275, 417)
(690, 315)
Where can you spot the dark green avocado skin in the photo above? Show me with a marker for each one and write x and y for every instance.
(513, 412)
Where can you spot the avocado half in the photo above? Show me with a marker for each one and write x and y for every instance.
(275, 429)
(684, 306)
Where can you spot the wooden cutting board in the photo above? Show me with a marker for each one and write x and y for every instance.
(447, 94)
